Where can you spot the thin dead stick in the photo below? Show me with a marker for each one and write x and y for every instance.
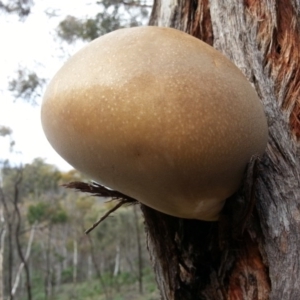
(99, 190)
(121, 203)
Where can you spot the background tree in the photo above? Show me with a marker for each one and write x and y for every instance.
(27, 86)
(52, 221)
(20, 7)
(41, 223)
(112, 15)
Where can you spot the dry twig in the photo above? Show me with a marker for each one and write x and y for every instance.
(99, 190)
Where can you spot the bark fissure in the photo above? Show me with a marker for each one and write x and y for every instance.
(262, 38)
(202, 260)
(278, 36)
(280, 164)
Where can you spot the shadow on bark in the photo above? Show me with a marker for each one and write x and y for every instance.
(211, 260)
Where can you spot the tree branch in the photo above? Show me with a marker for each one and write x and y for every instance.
(18, 228)
(99, 190)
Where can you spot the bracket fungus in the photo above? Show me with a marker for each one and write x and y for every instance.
(157, 115)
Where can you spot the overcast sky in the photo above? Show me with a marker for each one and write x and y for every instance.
(32, 44)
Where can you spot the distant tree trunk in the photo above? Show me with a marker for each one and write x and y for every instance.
(22, 265)
(97, 268)
(2, 240)
(64, 250)
(10, 259)
(9, 218)
(58, 273)
(139, 246)
(48, 267)
(89, 267)
(202, 260)
(117, 260)
(75, 261)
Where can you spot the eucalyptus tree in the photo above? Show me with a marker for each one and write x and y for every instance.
(201, 260)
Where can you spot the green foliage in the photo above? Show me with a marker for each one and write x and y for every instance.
(114, 14)
(72, 175)
(91, 289)
(37, 213)
(38, 289)
(27, 85)
(39, 180)
(71, 28)
(7, 132)
(20, 7)
(67, 275)
(85, 204)
(43, 211)
(58, 217)
(4, 131)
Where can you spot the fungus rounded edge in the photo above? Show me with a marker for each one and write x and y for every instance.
(158, 115)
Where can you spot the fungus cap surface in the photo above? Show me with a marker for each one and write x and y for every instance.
(159, 116)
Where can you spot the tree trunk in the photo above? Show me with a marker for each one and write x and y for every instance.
(217, 260)
(2, 241)
(48, 267)
(75, 261)
(98, 268)
(139, 246)
(22, 265)
(16, 204)
(117, 260)
(9, 218)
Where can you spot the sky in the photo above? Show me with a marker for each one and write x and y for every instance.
(33, 44)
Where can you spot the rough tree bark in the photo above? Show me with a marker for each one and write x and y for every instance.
(202, 260)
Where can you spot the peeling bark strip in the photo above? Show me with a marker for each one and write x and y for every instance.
(236, 34)
(98, 190)
(189, 16)
(249, 274)
(199, 260)
(278, 37)
(199, 24)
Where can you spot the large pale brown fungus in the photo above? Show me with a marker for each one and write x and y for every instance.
(159, 116)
